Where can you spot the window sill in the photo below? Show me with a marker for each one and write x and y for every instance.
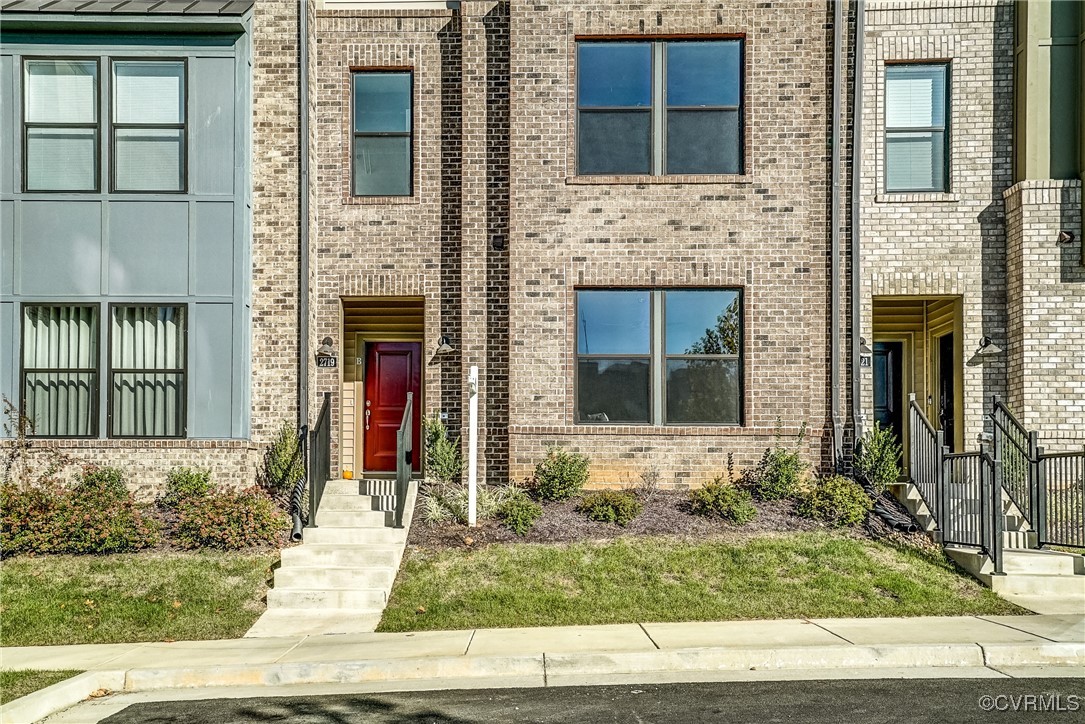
(380, 200)
(921, 197)
(673, 180)
(665, 431)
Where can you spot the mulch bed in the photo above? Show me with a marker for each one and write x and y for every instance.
(666, 513)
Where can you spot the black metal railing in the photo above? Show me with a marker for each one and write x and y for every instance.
(404, 457)
(297, 491)
(1060, 491)
(925, 459)
(320, 457)
(1017, 448)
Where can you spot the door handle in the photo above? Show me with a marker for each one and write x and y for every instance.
(367, 418)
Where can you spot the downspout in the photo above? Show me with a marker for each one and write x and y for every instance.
(834, 234)
(303, 250)
(857, 416)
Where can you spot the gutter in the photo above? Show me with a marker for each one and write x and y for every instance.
(837, 421)
(857, 417)
(303, 215)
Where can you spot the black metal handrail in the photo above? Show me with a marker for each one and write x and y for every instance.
(926, 460)
(1060, 492)
(320, 456)
(1018, 449)
(404, 455)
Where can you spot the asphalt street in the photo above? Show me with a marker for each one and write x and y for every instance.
(956, 701)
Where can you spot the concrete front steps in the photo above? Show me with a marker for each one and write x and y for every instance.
(339, 579)
(1043, 581)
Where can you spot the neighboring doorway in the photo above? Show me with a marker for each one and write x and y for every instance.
(392, 369)
(889, 386)
(946, 389)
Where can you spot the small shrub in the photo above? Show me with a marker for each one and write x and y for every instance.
(229, 520)
(878, 457)
(836, 500)
(780, 472)
(184, 484)
(518, 512)
(442, 503)
(611, 506)
(98, 515)
(561, 475)
(719, 498)
(283, 464)
(444, 460)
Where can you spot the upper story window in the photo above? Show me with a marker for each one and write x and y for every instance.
(659, 107)
(148, 125)
(60, 125)
(662, 356)
(382, 125)
(916, 129)
(62, 122)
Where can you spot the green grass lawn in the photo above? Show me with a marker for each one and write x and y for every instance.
(630, 580)
(16, 684)
(51, 600)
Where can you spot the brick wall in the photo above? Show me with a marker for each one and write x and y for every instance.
(766, 231)
(1046, 302)
(952, 243)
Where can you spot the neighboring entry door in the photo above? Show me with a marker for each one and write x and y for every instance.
(945, 388)
(888, 410)
(392, 369)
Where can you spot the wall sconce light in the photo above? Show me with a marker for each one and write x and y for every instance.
(1066, 237)
(325, 349)
(444, 345)
(864, 348)
(987, 347)
(499, 242)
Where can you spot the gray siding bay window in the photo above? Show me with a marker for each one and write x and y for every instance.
(382, 133)
(659, 107)
(916, 128)
(660, 357)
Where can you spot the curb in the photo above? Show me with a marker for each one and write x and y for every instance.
(60, 695)
(540, 670)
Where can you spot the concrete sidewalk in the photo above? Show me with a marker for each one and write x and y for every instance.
(626, 653)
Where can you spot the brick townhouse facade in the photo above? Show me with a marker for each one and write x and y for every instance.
(636, 220)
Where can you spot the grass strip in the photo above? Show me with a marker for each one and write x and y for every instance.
(15, 684)
(628, 580)
(51, 600)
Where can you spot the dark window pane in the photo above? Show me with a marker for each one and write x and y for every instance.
(703, 142)
(704, 73)
(61, 403)
(382, 102)
(613, 322)
(614, 74)
(703, 322)
(612, 391)
(915, 161)
(703, 391)
(614, 142)
(382, 166)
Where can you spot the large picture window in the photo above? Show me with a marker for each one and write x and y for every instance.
(382, 126)
(659, 107)
(147, 371)
(916, 131)
(60, 125)
(663, 357)
(60, 369)
(148, 125)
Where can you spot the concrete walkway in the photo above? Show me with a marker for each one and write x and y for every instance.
(627, 653)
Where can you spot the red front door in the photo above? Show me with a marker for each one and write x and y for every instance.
(392, 369)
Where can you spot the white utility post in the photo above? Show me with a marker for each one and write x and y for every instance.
(472, 447)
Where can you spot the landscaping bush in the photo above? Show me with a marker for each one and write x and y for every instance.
(836, 500)
(878, 456)
(611, 506)
(443, 503)
(444, 460)
(561, 475)
(518, 512)
(229, 520)
(780, 472)
(283, 464)
(183, 484)
(718, 498)
(98, 515)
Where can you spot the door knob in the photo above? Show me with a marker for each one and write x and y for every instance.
(367, 412)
